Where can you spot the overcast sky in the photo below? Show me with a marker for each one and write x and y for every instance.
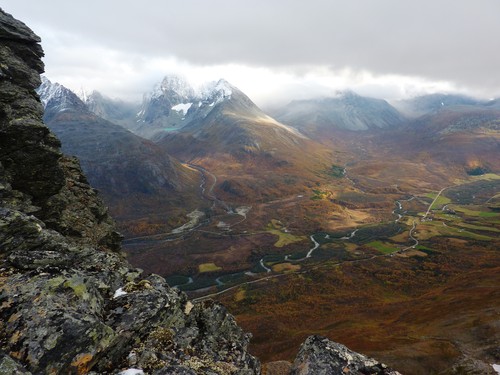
(274, 50)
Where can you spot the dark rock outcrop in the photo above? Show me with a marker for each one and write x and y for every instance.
(320, 356)
(69, 302)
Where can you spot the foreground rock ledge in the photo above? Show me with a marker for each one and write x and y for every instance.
(69, 301)
(318, 355)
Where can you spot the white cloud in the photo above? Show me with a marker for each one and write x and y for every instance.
(273, 51)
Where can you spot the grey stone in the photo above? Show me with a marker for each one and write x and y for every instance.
(320, 356)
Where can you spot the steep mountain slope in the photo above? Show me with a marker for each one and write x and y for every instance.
(458, 135)
(166, 107)
(318, 118)
(251, 152)
(114, 110)
(135, 176)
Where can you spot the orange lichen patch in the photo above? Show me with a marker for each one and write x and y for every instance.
(82, 363)
(16, 355)
(15, 337)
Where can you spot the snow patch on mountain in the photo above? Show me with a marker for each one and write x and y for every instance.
(182, 107)
(49, 91)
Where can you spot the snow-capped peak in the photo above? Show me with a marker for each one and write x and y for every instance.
(52, 92)
(174, 85)
(48, 91)
(344, 94)
(57, 97)
(216, 91)
(83, 94)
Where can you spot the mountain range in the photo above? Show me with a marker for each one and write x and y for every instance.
(135, 176)
(345, 111)
(218, 127)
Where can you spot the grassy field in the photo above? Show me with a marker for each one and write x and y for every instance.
(208, 267)
(478, 227)
(474, 213)
(383, 247)
(431, 229)
(284, 238)
(286, 267)
(440, 201)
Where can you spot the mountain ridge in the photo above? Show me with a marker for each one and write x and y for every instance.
(123, 166)
(345, 111)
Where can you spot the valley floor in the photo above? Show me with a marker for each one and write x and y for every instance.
(403, 266)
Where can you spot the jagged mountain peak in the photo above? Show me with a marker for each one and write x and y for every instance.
(57, 98)
(175, 86)
(174, 104)
(220, 89)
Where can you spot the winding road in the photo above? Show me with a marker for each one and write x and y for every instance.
(434, 201)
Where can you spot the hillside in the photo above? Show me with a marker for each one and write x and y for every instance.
(135, 177)
(250, 152)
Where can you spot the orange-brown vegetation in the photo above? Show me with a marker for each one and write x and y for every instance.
(418, 314)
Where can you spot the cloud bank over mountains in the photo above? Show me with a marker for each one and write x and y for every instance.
(272, 50)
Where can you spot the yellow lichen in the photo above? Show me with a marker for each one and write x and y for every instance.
(82, 363)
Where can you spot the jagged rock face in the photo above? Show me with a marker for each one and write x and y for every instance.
(69, 302)
(34, 173)
(160, 108)
(320, 356)
(24, 139)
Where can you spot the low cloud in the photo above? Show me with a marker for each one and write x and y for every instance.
(271, 49)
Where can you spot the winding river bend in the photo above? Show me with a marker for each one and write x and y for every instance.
(200, 219)
(308, 255)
